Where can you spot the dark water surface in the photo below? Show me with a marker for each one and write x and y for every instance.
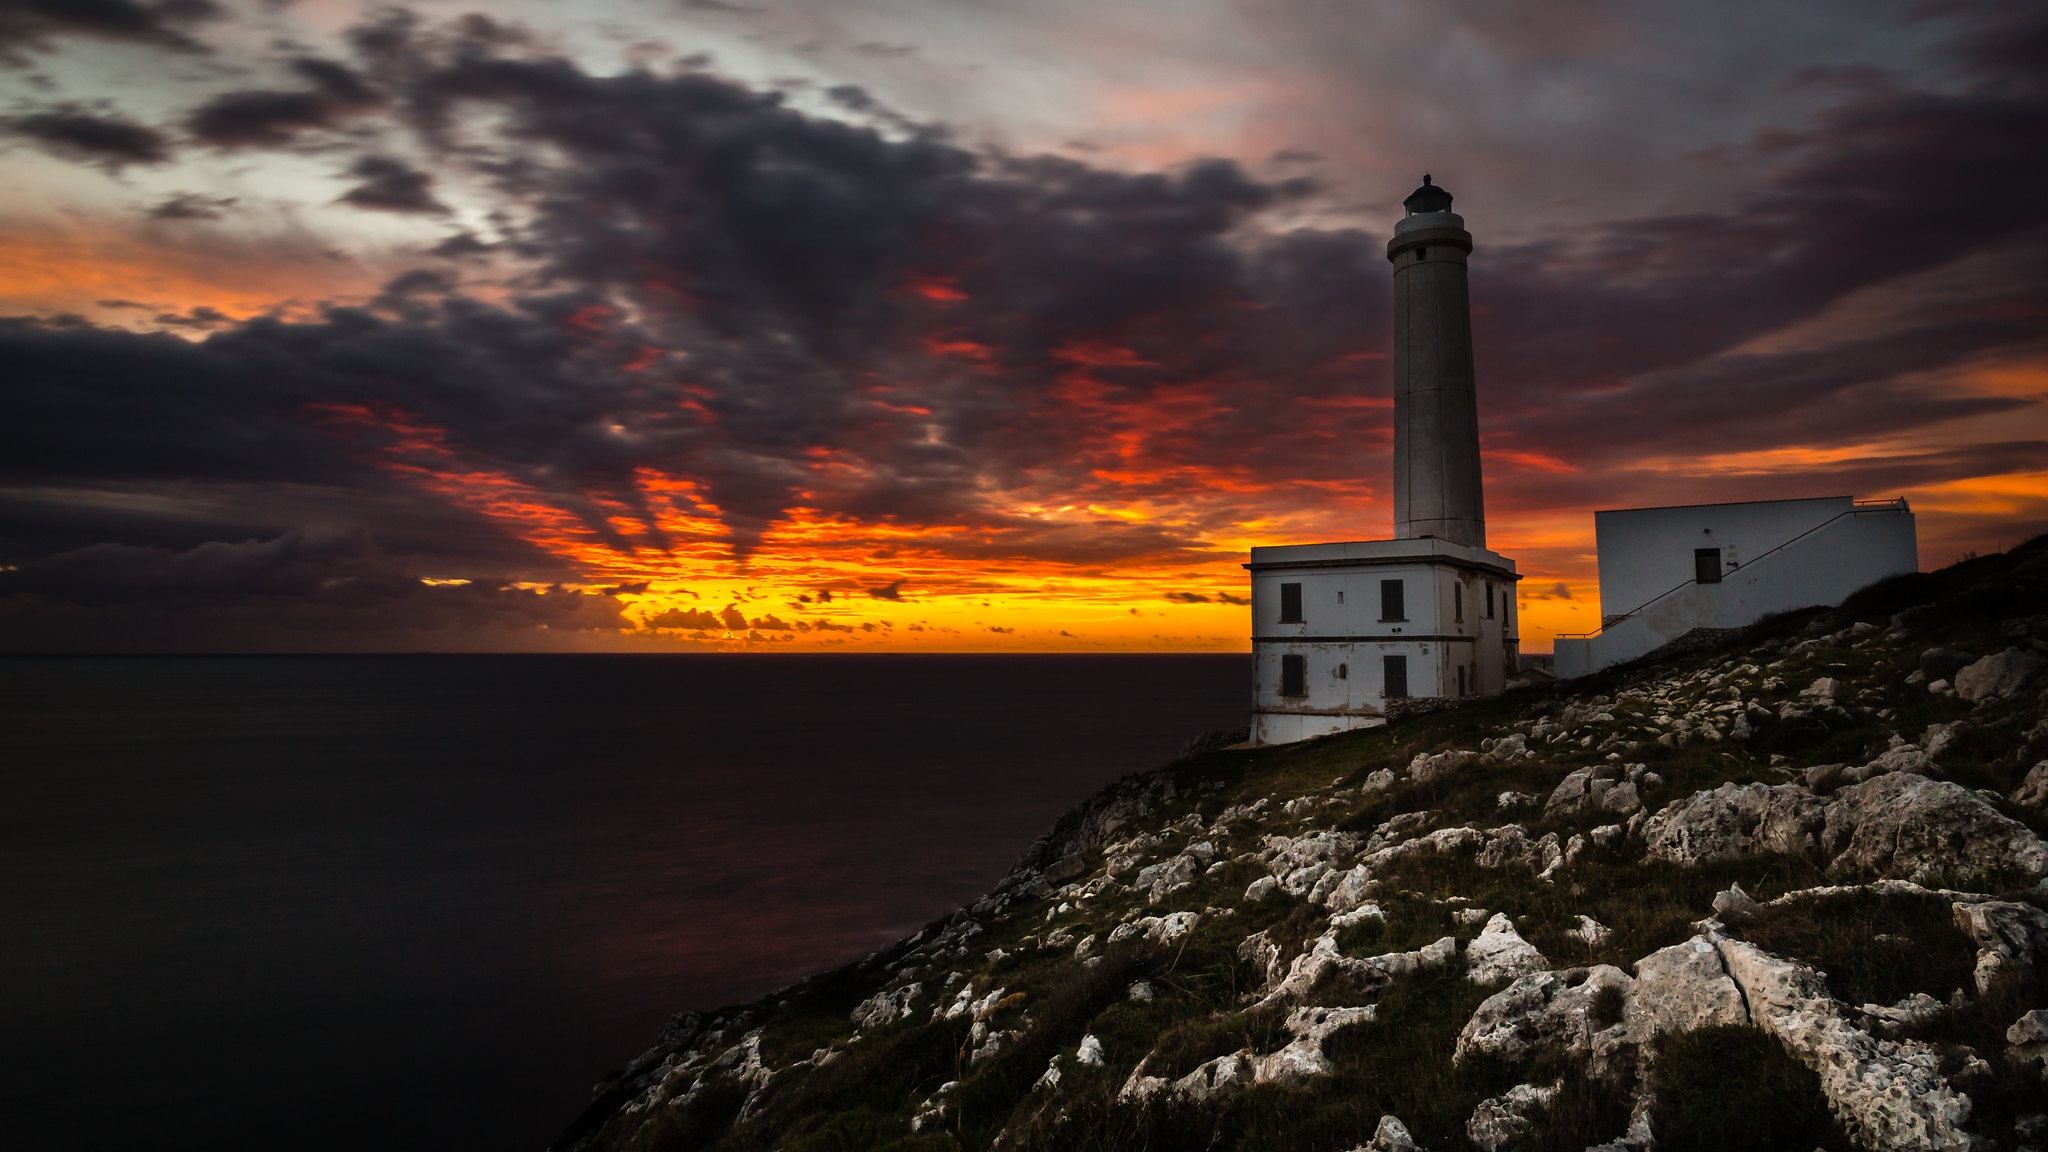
(424, 902)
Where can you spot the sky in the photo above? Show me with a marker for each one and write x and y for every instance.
(937, 325)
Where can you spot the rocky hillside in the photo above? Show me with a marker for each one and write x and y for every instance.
(1782, 891)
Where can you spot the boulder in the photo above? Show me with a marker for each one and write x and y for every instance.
(1508, 749)
(1926, 831)
(1554, 1015)
(1261, 888)
(1090, 1052)
(2011, 938)
(1160, 880)
(1733, 821)
(1900, 757)
(1581, 791)
(2033, 791)
(1681, 988)
(2027, 1041)
(1943, 663)
(1504, 1122)
(1391, 1136)
(1428, 766)
(1999, 676)
(1887, 1093)
(1594, 933)
(1348, 892)
(1500, 953)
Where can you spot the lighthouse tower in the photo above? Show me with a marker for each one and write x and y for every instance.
(1341, 633)
(1436, 401)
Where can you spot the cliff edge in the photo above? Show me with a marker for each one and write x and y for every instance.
(1777, 889)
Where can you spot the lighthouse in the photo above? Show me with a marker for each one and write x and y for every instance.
(1437, 490)
(1344, 633)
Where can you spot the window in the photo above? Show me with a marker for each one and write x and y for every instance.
(1393, 605)
(1340, 595)
(1421, 253)
(1343, 671)
(1290, 603)
(1394, 671)
(1706, 565)
(1489, 601)
(1461, 679)
(1294, 675)
(1458, 603)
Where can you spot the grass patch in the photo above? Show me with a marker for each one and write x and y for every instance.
(1875, 948)
(1733, 1087)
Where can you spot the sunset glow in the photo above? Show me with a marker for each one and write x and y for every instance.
(769, 330)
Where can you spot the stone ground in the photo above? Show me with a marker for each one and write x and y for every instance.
(1783, 892)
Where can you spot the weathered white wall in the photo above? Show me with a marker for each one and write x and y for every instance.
(1341, 625)
(1777, 555)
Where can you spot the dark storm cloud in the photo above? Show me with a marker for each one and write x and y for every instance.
(34, 23)
(110, 141)
(390, 185)
(192, 206)
(270, 118)
(298, 591)
(724, 289)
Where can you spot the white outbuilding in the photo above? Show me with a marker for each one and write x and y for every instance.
(1667, 571)
(1342, 631)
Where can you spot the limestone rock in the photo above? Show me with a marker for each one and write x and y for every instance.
(1733, 821)
(1912, 1012)
(1428, 766)
(1733, 901)
(1999, 676)
(1594, 933)
(1348, 892)
(1888, 1094)
(1943, 663)
(1584, 791)
(2033, 791)
(1556, 1015)
(1926, 831)
(1090, 1052)
(1391, 1136)
(1504, 1122)
(1160, 880)
(1500, 953)
(1901, 757)
(1155, 929)
(1681, 988)
(1508, 749)
(1261, 888)
(2011, 938)
(1216, 1077)
(886, 1006)
(2027, 1041)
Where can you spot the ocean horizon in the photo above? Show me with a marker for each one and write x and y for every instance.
(428, 900)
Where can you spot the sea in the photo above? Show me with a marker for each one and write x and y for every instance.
(426, 902)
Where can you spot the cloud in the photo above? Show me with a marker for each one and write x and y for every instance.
(390, 185)
(192, 206)
(270, 118)
(109, 141)
(685, 619)
(1200, 598)
(35, 23)
(298, 591)
(724, 316)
